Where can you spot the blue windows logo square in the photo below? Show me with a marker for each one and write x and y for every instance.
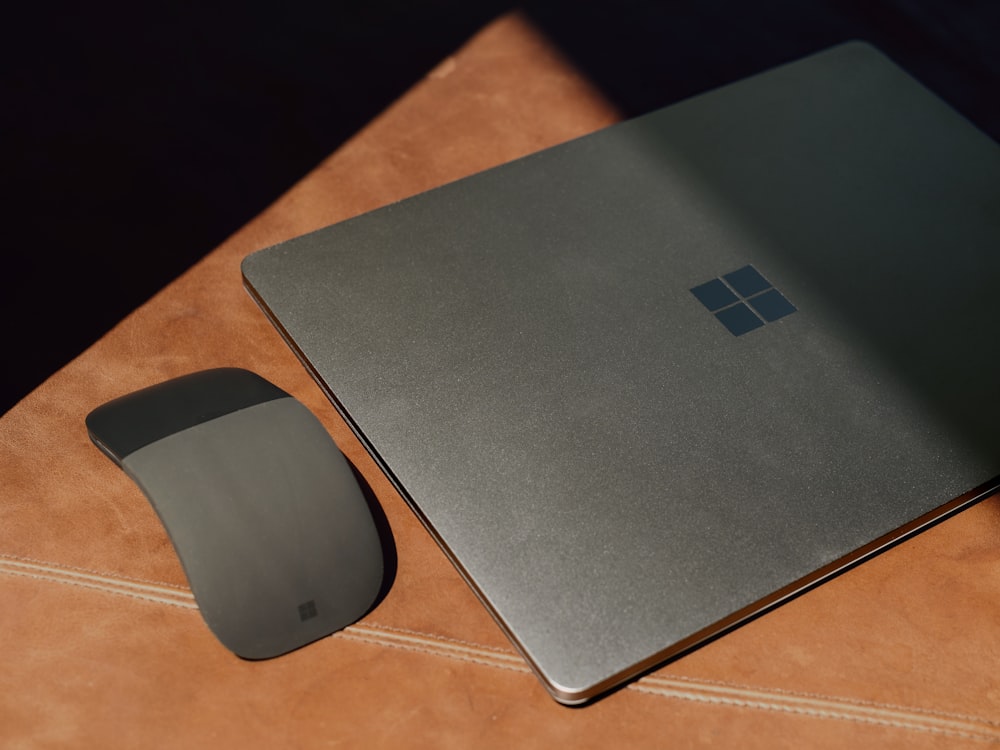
(771, 305)
(747, 281)
(715, 295)
(743, 300)
(739, 319)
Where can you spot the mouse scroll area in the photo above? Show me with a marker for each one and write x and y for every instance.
(272, 529)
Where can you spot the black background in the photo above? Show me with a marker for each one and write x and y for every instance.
(138, 137)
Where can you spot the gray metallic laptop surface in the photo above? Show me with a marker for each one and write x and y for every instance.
(645, 384)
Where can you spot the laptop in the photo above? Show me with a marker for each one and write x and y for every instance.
(644, 385)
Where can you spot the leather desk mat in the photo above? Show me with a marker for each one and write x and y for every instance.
(105, 648)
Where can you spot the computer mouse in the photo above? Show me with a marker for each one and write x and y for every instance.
(273, 530)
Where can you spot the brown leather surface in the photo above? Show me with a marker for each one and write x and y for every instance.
(104, 646)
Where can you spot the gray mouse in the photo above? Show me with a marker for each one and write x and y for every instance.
(273, 530)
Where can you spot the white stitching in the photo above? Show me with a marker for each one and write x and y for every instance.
(819, 713)
(435, 640)
(380, 641)
(663, 687)
(65, 568)
(100, 587)
(465, 651)
(652, 679)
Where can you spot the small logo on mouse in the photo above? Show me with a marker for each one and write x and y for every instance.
(743, 300)
(307, 610)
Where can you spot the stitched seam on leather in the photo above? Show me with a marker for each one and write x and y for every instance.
(74, 569)
(704, 683)
(161, 594)
(685, 688)
(105, 589)
(434, 640)
(682, 688)
(438, 643)
(852, 714)
(652, 679)
(429, 647)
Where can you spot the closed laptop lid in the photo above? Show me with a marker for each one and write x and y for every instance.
(645, 384)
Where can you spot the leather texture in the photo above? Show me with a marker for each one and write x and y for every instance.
(105, 647)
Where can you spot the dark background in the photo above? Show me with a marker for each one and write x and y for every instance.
(138, 137)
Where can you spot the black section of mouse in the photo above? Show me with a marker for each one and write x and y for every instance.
(275, 535)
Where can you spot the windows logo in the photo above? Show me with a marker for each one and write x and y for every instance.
(743, 300)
